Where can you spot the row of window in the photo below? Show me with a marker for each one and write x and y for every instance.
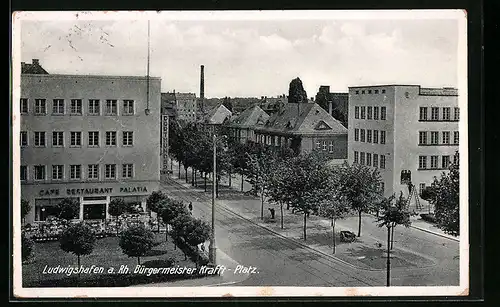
(369, 159)
(434, 138)
(370, 91)
(444, 115)
(369, 112)
(76, 107)
(369, 136)
(434, 162)
(324, 145)
(75, 139)
(76, 172)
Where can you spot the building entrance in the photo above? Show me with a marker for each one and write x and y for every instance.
(94, 211)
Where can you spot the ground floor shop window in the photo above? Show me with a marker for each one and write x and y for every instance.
(94, 211)
(45, 208)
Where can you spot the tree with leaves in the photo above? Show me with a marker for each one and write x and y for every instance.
(296, 92)
(180, 226)
(26, 247)
(78, 239)
(136, 241)
(153, 203)
(197, 232)
(391, 216)
(68, 208)
(171, 209)
(116, 208)
(360, 188)
(444, 195)
(25, 209)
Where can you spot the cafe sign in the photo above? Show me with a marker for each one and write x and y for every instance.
(92, 191)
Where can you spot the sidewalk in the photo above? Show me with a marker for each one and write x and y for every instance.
(368, 252)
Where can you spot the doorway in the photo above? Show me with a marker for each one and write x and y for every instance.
(94, 211)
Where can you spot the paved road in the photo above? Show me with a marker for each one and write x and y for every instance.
(282, 262)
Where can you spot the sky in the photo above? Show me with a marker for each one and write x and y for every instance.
(251, 58)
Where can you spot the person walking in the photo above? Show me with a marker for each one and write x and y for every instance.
(190, 207)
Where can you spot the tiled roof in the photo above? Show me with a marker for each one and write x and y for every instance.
(217, 115)
(250, 117)
(35, 68)
(303, 118)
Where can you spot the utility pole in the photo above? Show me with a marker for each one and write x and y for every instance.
(212, 248)
(388, 256)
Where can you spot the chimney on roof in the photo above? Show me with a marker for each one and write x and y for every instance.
(35, 62)
(330, 107)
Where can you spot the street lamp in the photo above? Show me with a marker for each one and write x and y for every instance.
(212, 248)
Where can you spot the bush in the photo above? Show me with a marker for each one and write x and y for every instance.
(136, 241)
(191, 251)
(428, 217)
(68, 209)
(26, 248)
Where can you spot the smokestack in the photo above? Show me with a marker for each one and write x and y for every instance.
(202, 86)
(330, 107)
(35, 62)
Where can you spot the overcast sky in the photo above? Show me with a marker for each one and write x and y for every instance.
(251, 58)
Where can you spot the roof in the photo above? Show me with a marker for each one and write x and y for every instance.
(185, 96)
(217, 115)
(312, 119)
(35, 68)
(250, 117)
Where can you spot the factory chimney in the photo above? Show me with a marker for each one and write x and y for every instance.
(202, 87)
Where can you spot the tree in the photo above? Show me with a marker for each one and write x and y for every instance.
(197, 232)
(360, 188)
(171, 209)
(296, 92)
(153, 203)
(78, 239)
(392, 215)
(136, 241)
(26, 247)
(444, 194)
(68, 208)
(180, 226)
(116, 208)
(25, 208)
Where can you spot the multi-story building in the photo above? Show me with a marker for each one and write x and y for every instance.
(304, 127)
(242, 127)
(185, 105)
(403, 129)
(91, 138)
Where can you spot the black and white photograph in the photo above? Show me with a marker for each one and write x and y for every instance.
(240, 153)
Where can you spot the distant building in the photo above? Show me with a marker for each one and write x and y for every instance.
(271, 105)
(34, 68)
(337, 104)
(304, 127)
(403, 129)
(242, 127)
(183, 106)
(215, 118)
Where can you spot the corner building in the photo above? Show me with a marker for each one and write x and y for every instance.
(404, 129)
(91, 138)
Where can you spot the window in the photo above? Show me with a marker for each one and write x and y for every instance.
(369, 159)
(434, 137)
(456, 137)
(24, 173)
(369, 91)
(75, 138)
(422, 137)
(446, 137)
(75, 172)
(58, 106)
(357, 92)
(94, 138)
(93, 171)
(110, 171)
(445, 161)
(356, 112)
(434, 161)
(376, 91)
(23, 140)
(383, 91)
(356, 134)
(318, 145)
(362, 135)
(58, 139)
(128, 107)
(421, 187)
(40, 107)
(363, 112)
(94, 107)
(383, 113)
(24, 106)
(39, 139)
(111, 107)
(128, 138)
(356, 157)
(368, 136)
(39, 172)
(57, 172)
(76, 106)
(382, 137)
(325, 146)
(375, 136)
(382, 161)
(456, 116)
(363, 91)
(375, 113)
(330, 146)
(434, 113)
(110, 138)
(369, 113)
(423, 113)
(127, 170)
(446, 113)
(362, 158)
(375, 160)
(422, 162)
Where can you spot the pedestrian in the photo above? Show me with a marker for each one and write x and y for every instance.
(190, 207)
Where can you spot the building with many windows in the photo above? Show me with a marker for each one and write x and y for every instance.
(91, 138)
(241, 128)
(403, 129)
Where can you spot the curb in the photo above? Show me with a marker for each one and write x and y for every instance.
(436, 233)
